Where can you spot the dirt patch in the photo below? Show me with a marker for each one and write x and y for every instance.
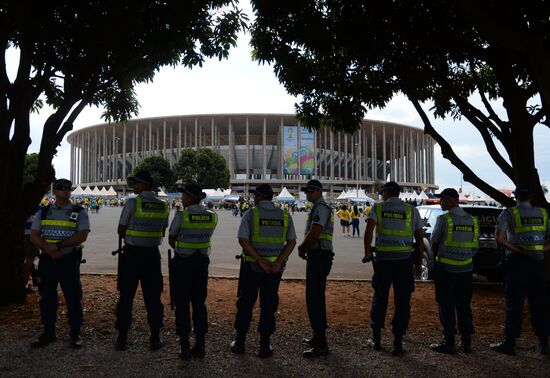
(348, 305)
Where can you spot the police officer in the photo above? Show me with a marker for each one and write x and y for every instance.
(142, 224)
(523, 230)
(397, 226)
(267, 237)
(317, 249)
(190, 234)
(58, 231)
(455, 240)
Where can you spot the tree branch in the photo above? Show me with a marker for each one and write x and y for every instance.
(449, 154)
(68, 124)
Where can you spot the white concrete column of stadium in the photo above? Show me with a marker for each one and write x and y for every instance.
(164, 139)
(196, 136)
(384, 160)
(247, 171)
(212, 134)
(316, 170)
(264, 150)
(124, 152)
(346, 157)
(179, 140)
(372, 152)
(230, 151)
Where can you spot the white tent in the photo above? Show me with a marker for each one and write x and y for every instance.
(77, 191)
(161, 193)
(111, 192)
(95, 191)
(226, 192)
(215, 194)
(423, 196)
(285, 195)
(343, 195)
(103, 192)
(87, 191)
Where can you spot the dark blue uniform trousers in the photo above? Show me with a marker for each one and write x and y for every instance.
(140, 264)
(525, 276)
(453, 293)
(250, 282)
(318, 265)
(191, 288)
(65, 272)
(398, 273)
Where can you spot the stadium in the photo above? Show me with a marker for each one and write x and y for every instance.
(259, 148)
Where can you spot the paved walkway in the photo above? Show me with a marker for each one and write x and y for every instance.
(102, 240)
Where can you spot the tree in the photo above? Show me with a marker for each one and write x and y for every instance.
(30, 168)
(204, 167)
(75, 54)
(344, 57)
(160, 170)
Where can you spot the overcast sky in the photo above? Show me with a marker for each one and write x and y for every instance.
(239, 85)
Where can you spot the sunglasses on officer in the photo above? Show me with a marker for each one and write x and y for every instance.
(62, 188)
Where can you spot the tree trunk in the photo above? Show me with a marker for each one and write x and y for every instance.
(13, 255)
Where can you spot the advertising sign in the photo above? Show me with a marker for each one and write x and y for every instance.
(290, 150)
(307, 150)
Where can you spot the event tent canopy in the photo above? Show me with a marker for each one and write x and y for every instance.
(285, 195)
(77, 191)
(111, 192)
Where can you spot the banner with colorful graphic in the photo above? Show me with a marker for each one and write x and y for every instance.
(307, 150)
(290, 150)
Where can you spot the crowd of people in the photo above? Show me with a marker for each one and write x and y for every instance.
(267, 237)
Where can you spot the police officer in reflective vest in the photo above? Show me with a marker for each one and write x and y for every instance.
(523, 230)
(267, 237)
(317, 249)
(455, 240)
(142, 224)
(397, 226)
(190, 234)
(59, 230)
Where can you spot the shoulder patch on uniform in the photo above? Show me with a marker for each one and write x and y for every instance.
(316, 218)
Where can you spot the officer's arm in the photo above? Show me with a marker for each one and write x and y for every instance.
(249, 249)
(38, 241)
(172, 240)
(500, 237)
(77, 239)
(287, 250)
(121, 230)
(312, 236)
(367, 239)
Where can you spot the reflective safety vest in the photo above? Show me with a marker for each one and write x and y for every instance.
(269, 229)
(460, 244)
(147, 223)
(326, 233)
(394, 231)
(54, 230)
(195, 232)
(530, 225)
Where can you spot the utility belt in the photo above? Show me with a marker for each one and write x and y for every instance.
(321, 252)
(251, 259)
(75, 254)
(195, 254)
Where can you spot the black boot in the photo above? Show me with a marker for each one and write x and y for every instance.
(447, 346)
(320, 348)
(508, 346)
(185, 353)
(543, 345)
(155, 342)
(237, 346)
(398, 346)
(376, 342)
(309, 342)
(122, 340)
(76, 340)
(46, 338)
(199, 349)
(265, 346)
(466, 343)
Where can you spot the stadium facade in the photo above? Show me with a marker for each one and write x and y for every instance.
(259, 148)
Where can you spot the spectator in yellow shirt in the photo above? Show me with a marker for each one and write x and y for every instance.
(345, 219)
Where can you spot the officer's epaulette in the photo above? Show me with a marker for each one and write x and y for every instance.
(44, 213)
(77, 208)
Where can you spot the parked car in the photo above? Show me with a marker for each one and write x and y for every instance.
(489, 259)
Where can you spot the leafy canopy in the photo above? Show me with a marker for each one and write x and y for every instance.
(204, 167)
(160, 170)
